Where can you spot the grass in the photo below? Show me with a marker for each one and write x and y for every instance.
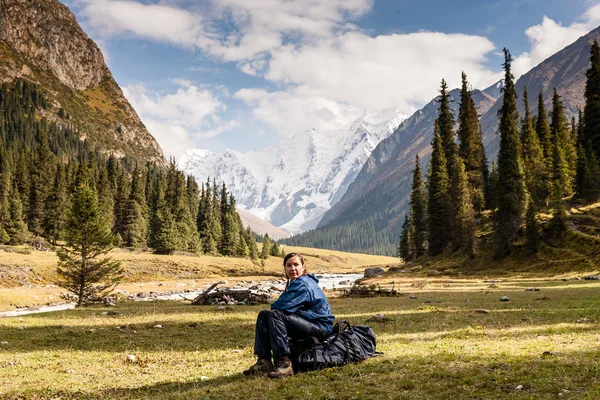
(546, 342)
(26, 279)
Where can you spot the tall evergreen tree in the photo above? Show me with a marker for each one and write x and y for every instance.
(537, 177)
(564, 152)
(403, 247)
(16, 227)
(439, 207)
(42, 179)
(135, 217)
(532, 231)
(55, 214)
(512, 193)
(418, 207)
(471, 149)
(464, 238)
(543, 128)
(266, 248)
(591, 114)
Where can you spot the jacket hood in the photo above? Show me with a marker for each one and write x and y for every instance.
(313, 277)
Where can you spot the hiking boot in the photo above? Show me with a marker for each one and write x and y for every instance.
(283, 368)
(262, 366)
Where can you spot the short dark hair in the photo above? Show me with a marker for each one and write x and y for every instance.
(290, 255)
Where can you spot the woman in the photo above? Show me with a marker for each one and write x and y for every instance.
(301, 311)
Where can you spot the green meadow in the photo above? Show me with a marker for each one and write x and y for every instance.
(454, 340)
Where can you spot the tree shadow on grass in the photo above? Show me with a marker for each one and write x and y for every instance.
(574, 374)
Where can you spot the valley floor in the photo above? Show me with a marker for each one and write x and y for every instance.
(440, 340)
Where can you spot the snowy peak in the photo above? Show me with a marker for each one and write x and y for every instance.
(293, 183)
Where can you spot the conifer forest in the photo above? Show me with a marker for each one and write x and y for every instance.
(147, 206)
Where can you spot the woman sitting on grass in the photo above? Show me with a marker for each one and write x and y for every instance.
(300, 312)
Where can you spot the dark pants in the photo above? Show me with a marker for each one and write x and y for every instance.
(274, 329)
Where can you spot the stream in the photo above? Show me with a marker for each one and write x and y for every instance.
(326, 281)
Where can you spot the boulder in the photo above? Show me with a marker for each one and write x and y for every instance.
(374, 271)
(504, 298)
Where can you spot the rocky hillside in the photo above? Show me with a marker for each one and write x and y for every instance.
(41, 41)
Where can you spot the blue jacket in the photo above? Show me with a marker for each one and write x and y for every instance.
(305, 298)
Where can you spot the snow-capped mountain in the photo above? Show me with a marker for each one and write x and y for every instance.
(293, 183)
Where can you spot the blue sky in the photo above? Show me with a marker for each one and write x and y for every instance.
(245, 74)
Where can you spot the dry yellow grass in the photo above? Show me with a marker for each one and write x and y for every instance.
(26, 279)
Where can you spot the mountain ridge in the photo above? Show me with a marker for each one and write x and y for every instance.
(41, 41)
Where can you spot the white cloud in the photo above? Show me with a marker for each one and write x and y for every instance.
(377, 72)
(550, 36)
(181, 82)
(177, 120)
(290, 112)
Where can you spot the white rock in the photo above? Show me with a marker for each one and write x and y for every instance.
(158, 326)
(520, 387)
(131, 358)
(70, 371)
(203, 378)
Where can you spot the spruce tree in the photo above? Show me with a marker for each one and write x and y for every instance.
(511, 190)
(418, 209)
(439, 207)
(591, 114)
(558, 223)
(266, 248)
(42, 179)
(135, 217)
(537, 177)
(532, 231)
(16, 227)
(55, 213)
(471, 149)
(543, 128)
(82, 267)
(564, 152)
(464, 238)
(403, 248)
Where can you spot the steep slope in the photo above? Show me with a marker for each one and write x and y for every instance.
(260, 226)
(293, 183)
(383, 184)
(564, 71)
(380, 191)
(41, 41)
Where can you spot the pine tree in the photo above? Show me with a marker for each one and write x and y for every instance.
(55, 214)
(403, 247)
(543, 128)
(167, 238)
(16, 227)
(88, 237)
(439, 203)
(492, 188)
(42, 178)
(558, 223)
(537, 177)
(564, 152)
(135, 217)
(266, 248)
(253, 248)
(471, 149)
(512, 193)
(418, 209)
(591, 113)
(464, 239)
(532, 231)
(275, 250)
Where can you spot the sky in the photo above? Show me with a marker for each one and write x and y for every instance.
(246, 74)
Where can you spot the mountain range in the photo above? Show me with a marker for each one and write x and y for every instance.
(292, 184)
(378, 196)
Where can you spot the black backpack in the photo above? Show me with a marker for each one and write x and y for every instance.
(346, 344)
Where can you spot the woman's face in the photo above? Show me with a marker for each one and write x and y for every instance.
(294, 268)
